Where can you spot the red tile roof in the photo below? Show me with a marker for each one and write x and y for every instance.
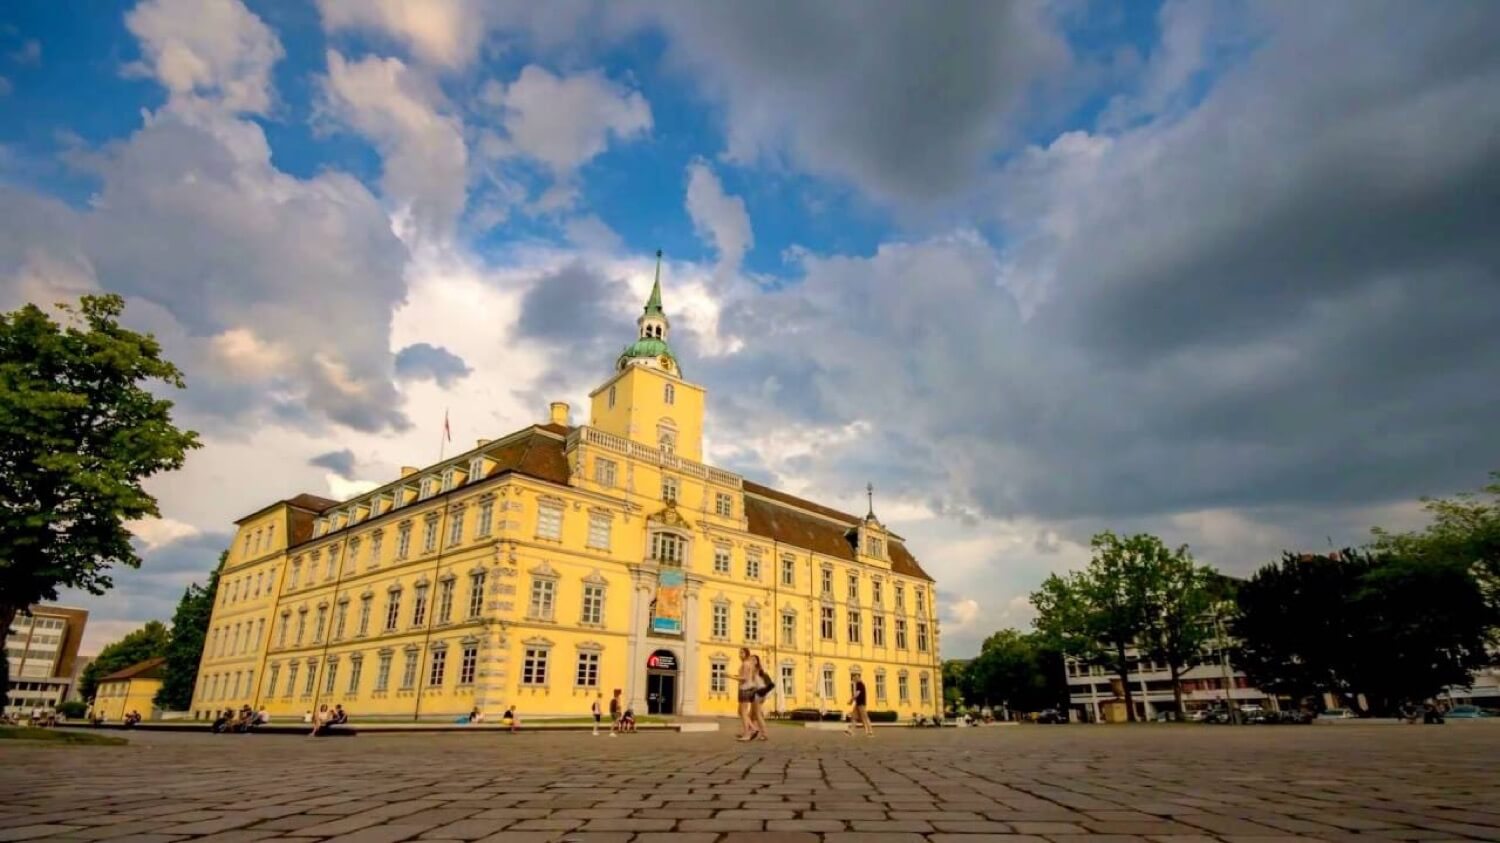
(771, 514)
(148, 669)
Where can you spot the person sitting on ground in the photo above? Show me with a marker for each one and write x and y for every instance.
(340, 717)
(221, 721)
(627, 720)
(262, 717)
(320, 721)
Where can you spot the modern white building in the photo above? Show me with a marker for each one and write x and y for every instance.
(1091, 688)
(42, 649)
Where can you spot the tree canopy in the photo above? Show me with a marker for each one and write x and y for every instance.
(148, 642)
(185, 648)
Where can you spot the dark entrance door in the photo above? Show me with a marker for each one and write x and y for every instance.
(661, 683)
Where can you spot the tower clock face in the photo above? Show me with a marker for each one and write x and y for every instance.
(666, 362)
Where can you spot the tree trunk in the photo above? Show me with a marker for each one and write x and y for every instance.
(1124, 671)
(1176, 670)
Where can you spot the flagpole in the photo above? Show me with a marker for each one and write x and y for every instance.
(443, 438)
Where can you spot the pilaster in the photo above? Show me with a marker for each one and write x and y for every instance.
(687, 668)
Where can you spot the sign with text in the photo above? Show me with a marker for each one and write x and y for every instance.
(662, 660)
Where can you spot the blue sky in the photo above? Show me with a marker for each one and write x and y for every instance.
(1220, 271)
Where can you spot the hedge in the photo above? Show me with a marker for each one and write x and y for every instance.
(883, 717)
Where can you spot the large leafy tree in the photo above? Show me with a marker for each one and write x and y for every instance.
(1100, 614)
(185, 649)
(1180, 594)
(1020, 671)
(148, 642)
(1465, 530)
(80, 429)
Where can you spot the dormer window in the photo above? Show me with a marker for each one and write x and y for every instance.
(476, 469)
(429, 488)
(320, 527)
(450, 477)
(875, 546)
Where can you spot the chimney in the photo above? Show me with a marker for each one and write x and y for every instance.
(482, 442)
(559, 413)
(409, 470)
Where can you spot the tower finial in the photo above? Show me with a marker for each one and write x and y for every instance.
(653, 304)
(870, 494)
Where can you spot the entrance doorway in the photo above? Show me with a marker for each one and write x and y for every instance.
(661, 683)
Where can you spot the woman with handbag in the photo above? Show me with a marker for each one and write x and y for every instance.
(758, 705)
(749, 684)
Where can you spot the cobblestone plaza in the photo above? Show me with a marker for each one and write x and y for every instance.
(1068, 784)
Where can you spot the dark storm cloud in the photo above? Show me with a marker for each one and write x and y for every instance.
(579, 308)
(339, 462)
(424, 361)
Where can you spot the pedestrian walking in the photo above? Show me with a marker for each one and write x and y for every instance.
(749, 684)
(616, 715)
(598, 713)
(861, 714)
(758, 706)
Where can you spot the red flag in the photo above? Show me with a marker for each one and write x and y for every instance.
(447, 431)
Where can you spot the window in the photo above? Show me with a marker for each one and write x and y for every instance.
(259, 581)
(900, 597)
(356, 667)
(364, 613)
(921, 637)
(403, 540)
(718, 677)
(450, 478)
(721, 621)
(667, 548)
(828, 581)
(456, 527)
(296, 573)
(476, 594)
(902, 691)
(901, 633)
(376, 540)
(542, 593)
(271, 679)
(291, 678)
(854, 626)
(854, 588)
(611, 397)
(354, 546)
(752, 566)
(419, 606)
(876, 547)
(752, 623)
(439, 665)
(429, 534)
(593, 604)
(468, 660)
(669, 394)
(876, 592)
(604, 471)
(721, 560)
(599, 530)
(667, 439)
(827, 625)
(392, 610)
(921, 607)
(445, 601)
(877, 630)
(549, 521)
(312, 678)
(330, 676)
(486, 517)
(788, 572)
(340, 618)
(301, 625)
(333, 564)
(429, 488)
(587, 675)
(723, 504)
(880, 685)
(409, 670)
(669, 489)
(383, 672)
(476, 470)
(534, 666)
(788, 676)
(925, 683)
(828, 690)
(286, 620)
(788, 629)
(246, 550)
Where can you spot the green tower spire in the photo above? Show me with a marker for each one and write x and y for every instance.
(653, 304)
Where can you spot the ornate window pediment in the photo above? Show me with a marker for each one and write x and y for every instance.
(410, 648)
(591, 646)
(544, 570)
(538, 641)
(469, 640)
(385, 651)
(596, 578)
(438, 645)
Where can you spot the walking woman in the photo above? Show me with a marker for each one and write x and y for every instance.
(861, 713)
(749, 684)
(763, 689)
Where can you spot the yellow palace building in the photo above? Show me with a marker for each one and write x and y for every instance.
(561, 562)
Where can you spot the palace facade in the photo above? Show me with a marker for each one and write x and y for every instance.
(561, 562)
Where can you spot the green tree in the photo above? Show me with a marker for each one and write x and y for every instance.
(79, 430)
(148, 642)
(1019, 671)
(956, 687)
(185, 649)
(1465, 529)
(1101, 613)
(1180, 594)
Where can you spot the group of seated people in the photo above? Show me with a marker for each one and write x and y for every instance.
(326, 718)
(240, 721)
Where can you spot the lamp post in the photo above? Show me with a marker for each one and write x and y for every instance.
(1234, 710)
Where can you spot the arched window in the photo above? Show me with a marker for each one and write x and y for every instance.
(669, 395)
(668, 548)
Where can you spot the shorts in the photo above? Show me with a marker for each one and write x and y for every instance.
(747, 695)
(598, 718)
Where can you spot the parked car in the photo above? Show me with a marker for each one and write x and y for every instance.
(1198, 715)
(1051, 715)
(1337, 714)
(1467, 712)
(1299, 716)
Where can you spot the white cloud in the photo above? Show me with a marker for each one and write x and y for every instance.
(207, 52)
(155, 532)
(247, 355)
(425, 159)
(565, 121)
(720, 219)
(443, 32)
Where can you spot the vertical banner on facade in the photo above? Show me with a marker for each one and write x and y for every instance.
(668, 615)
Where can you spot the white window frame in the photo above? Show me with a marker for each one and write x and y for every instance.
(542, 602)
(535, 665)
(604, 471)
(600, 524)
(549, 520)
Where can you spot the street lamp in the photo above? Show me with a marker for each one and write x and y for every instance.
(1234, 710)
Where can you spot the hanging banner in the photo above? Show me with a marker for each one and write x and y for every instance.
(667, 618)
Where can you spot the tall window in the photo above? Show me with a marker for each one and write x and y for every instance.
(901, 633)
(669, 489)
(534, 666)
(476, 594)
(587, 675)
(827, 623)
(877, 630)
(718, 677)
(403, 540)
(903, 692)
(854, 588)
(468, 661)
(604, 471)
(301, 625)
(356, 667)
(286, 621)
(445, 601)
(333, 563)
(921, 607)
(752, 566)
(876, 589)
(854, 626)
(752, 624)
(876, 546)
(377, 539)
(364, 613)
(486, 517)
(669, 394)
(829, 692)
(354, 545)
(456, 527)
(476, 470)
(788, 630)
(419, 606)
(291, 679)
(667, 548)
(271, 679)
(392, 610)
(900, 597)
(340, 617)
(296, 573)
(429, 534)
(827, 581)
(599, 530)
(880, 685)
(925, 683)
(409, 671)
(542, 593)
(611, 397)
(330, 675)
(721, 621)
(593, 604)
(439, 665)
(549, 521)
(921, 637)
(723, 504)
(667, 439)
(312, 678)
(788, 681)
(788, 572)
(259, 581)
(383, 672)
